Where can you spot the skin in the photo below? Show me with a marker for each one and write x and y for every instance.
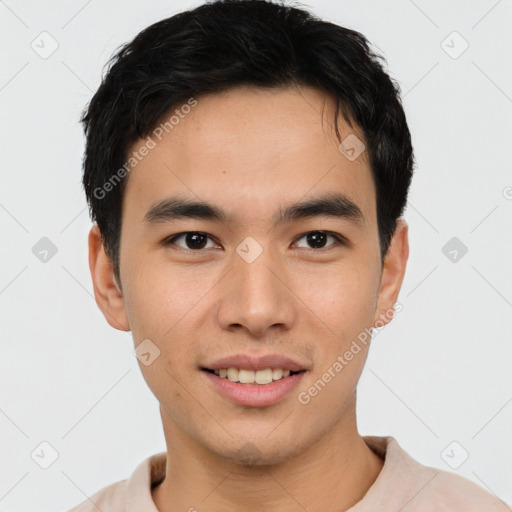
(250, 152)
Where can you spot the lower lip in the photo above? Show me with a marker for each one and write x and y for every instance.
(255, 395)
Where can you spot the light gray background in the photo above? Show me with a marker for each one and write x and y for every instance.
(440, 372)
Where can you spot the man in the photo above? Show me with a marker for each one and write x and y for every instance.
(247, 165)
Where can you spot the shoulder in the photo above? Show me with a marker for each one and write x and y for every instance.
(111, 498)
(411, 486)
(132, 494)
(450, 492)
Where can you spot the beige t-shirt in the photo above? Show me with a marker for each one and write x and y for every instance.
(403, 485)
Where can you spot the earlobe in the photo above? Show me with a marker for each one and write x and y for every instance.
(393, 273)
(107, 292)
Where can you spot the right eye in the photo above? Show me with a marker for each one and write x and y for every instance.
(191, 240)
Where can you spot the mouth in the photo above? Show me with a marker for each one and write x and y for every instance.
(249, 388)
(247, 377)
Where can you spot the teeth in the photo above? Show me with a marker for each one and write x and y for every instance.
(263, 376)
(250, 377)
(232, 374)
(277, 374)
(246, 376)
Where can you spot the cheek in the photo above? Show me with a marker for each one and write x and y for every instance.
(157, 300)
(158, 304)
(344, 298)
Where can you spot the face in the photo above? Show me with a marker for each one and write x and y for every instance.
(280, 259)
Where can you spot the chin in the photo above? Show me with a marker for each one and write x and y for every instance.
(260, 454)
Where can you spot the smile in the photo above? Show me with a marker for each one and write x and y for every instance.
(245, 376)
(241, 386)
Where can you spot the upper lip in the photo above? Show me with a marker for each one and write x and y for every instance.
(248, 362)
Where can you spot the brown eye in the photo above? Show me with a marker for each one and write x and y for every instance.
(319, 239)
(192, 240)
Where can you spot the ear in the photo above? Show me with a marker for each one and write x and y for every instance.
(107, 292)
(393, 272)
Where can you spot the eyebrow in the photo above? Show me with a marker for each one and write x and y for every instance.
(335, 205)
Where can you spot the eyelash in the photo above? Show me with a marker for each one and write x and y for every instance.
(339, 240)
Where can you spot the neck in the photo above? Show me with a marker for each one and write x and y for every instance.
(333, 473)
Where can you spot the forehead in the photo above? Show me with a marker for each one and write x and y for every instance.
(248, 148)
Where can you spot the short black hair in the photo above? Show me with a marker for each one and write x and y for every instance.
(225, 43)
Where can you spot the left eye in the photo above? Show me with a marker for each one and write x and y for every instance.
(194, 240)
(318, 239)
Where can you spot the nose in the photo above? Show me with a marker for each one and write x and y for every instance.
(255, 297)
